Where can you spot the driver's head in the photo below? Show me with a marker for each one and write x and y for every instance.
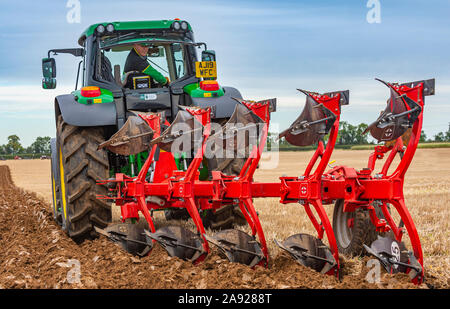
(142, 50)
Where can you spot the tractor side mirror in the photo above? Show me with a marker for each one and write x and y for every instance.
(49, 73)
(208, 55)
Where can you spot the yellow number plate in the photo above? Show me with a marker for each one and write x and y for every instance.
(205, 69)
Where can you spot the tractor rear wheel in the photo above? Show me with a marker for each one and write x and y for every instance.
(81, 166)
(226, 216)
(223, 218)
(352, 229)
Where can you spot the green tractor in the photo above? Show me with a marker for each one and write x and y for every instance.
(106, 96)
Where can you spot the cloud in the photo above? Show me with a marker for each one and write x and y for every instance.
(28, 98)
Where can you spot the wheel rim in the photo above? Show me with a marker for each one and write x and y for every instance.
(55, 205)
(344, 233)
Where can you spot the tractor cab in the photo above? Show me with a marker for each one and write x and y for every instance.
(168, 73)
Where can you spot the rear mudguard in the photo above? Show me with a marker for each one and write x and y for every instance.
(224, 105)
(82, 115)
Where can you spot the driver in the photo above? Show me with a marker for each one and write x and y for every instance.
(137, 61)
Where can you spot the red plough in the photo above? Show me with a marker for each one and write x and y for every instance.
(183, 190)
(318, 122)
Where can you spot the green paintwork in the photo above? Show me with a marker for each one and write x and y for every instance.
(106, 97)
(180, 163)
(194, 91)
(130, 25)
(180, 160)
(155, 74)
(204, 174)
(137, 161)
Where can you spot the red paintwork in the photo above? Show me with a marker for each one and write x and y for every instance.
(359, 189)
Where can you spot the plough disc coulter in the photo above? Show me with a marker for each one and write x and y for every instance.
(160, 186)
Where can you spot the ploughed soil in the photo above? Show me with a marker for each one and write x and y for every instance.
(36, 253)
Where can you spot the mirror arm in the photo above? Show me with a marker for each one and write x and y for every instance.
(199, 44)
(77, 52)
(78, 74)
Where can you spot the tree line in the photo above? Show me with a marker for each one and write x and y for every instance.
(353, 135)
(40, 146)
(348, 135)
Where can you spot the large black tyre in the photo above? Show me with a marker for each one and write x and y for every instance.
(223, 218)
(350, 239)
(233, 167)
(81, 166)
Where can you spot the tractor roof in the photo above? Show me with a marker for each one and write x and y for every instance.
(129, 25)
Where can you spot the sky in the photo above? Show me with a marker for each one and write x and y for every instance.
(265, 49)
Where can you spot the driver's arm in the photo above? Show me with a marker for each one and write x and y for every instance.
(149, 70)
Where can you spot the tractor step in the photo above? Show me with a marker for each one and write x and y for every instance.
(238, 246)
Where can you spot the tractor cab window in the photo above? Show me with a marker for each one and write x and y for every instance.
(162, 62)
(178, 55)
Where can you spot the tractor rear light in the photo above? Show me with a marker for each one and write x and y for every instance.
(90, 91)
(209, 85)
